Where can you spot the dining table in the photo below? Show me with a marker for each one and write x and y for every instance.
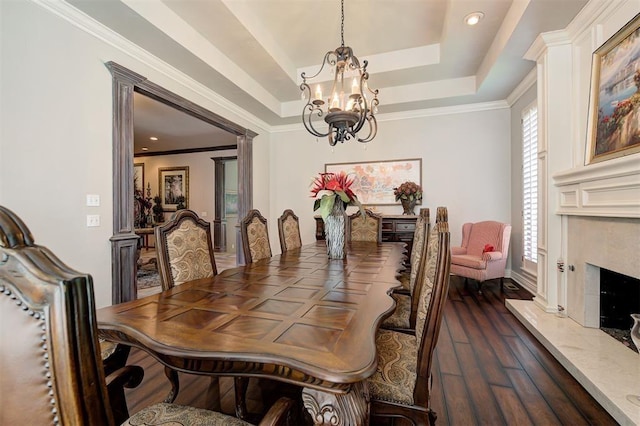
(298, 317)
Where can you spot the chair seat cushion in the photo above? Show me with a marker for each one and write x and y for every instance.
(179, 415)
(400, 317)
(469, 261)
(395, 376)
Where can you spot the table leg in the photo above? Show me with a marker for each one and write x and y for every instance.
(338, 409)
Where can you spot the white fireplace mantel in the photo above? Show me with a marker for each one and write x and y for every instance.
(607, 189)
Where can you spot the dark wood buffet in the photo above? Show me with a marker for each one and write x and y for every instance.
(395, 228)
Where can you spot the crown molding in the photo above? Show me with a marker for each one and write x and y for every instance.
(524, 85)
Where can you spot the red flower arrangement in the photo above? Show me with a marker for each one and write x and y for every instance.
(331, 187)
(487, 248)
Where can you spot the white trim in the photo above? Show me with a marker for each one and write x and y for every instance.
(522, 87)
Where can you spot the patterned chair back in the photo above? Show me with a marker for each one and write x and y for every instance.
(184, 249)
(365, 228)
(255, 237)
(433, 295)
(289, 231)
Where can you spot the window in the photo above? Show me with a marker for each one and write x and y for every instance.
(530, 186)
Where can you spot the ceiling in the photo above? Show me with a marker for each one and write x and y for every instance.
(421, 54)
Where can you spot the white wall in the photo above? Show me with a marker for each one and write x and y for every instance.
(55, 138)
(465, 166)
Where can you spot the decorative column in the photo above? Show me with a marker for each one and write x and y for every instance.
(552, 52)
(124, 241)
(245, 186)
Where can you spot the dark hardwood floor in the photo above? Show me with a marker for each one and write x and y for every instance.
(489, 370)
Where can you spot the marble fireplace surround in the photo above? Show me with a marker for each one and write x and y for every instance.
(600, 208)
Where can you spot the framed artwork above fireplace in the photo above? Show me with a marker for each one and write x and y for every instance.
(614, 102)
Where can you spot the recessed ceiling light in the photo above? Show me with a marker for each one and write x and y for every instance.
(473, 18)
(144, 148)
(153, 138)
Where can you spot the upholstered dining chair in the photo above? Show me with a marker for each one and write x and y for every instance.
(184, 249)
(401, 385)
(185, 253)
(367, 227)
(404, 315)
(483, 253)
(289, 231)
(255, 237)
(51, 369)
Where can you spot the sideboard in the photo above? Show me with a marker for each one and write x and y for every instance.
(398, 228)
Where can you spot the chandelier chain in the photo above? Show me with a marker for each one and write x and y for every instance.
(342, 23)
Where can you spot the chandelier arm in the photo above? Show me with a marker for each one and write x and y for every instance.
(308, 123)
(328, 60)
(373, 130)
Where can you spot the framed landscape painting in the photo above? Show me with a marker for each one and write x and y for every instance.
(174, 184)
(374, 181)
(614, 104)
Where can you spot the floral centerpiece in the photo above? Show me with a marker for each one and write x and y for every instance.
(333, 194)
(331, 187)
(408, 193)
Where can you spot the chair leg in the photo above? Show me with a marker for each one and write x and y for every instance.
(172, 375)
(480, 287)
(432, 417)
(240, 385)
(501, 284)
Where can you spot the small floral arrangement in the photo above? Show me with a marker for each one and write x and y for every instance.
(329, 188)
(487, 248)
(408, 191)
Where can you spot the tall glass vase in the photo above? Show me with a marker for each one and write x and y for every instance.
(334, 231)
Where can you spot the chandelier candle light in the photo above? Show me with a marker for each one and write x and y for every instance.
(345, 114)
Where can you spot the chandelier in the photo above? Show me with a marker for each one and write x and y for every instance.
(346, 114)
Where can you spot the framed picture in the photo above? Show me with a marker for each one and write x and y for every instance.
(138, 178)
(230, 203)
(174, 187)
(374, 181)
(614, 103)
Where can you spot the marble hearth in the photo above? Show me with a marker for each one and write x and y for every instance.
(606, 368)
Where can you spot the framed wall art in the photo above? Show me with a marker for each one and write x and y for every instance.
(614, 102)
(138, 178)
(174, 187)
(374, 181)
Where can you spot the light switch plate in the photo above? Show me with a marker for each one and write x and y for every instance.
(93, 200)
(93, 220)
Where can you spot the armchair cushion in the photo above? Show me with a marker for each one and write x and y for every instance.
(458, 250)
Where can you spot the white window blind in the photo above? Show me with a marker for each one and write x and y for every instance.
(530, 183)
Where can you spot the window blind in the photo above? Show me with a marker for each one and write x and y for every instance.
(530, 182)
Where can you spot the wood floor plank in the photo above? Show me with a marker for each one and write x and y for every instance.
(456, 329)
(533, 401)
(492, 370)
(458, 409)
(484, 405)
(447, 360)
(553, 394)
(481, 313)
(511, 407)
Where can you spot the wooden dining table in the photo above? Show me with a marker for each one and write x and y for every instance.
(298, 317)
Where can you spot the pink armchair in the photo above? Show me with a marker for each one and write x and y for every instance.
(483, 254)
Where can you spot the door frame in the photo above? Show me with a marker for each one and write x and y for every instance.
(124, 240)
